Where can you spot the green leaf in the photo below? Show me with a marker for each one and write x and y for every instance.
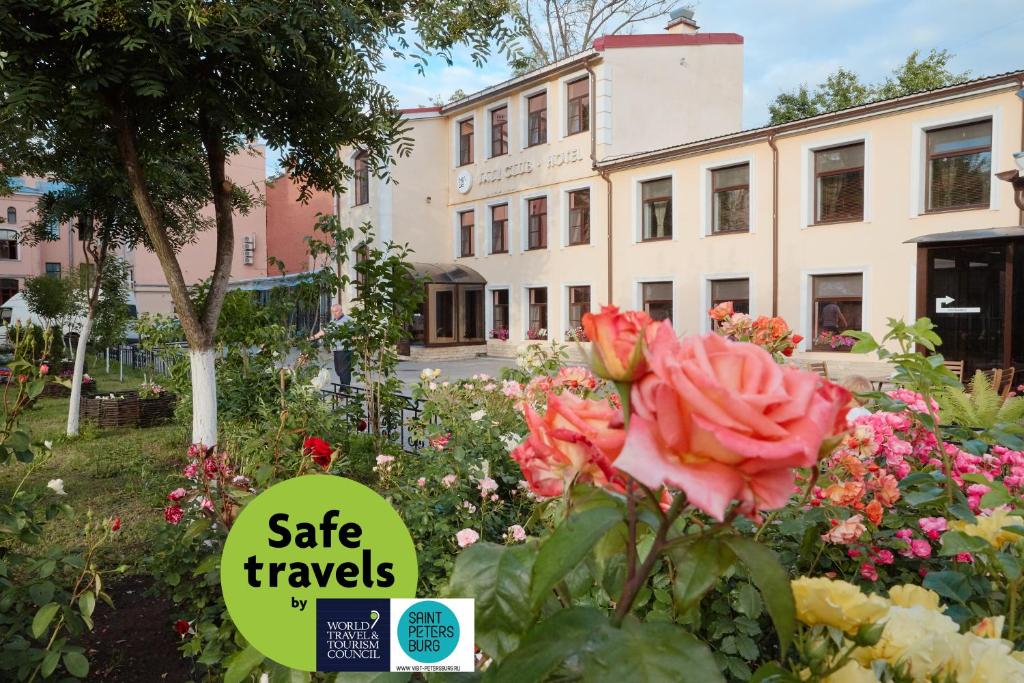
(41, 593)
(87, 603)
(76, 664)
(566, 548)
(948, 584)
(749, 603)
(498, 578)
(43, 618)
(242, 664)
(956, 542)
(50, 662)
(653, 652)
(566, 634)
(698, 568)
(284, 674)
(771, 579)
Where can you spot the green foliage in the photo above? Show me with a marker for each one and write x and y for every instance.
(54, 300)
(980, 407)
(110, 323)
(843, 88)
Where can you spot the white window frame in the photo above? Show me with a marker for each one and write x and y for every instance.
(457, 232)
(919, 153)
(638, 294)
(507, 102)
(563, 105)
(352, 184)
(524, 127)
(489, 308)
(564, 317)
(807, 299)
(510, 203)
(638, 207)
(524, 320)
(455, 140)
(563, 241)
(705, 224)
(524, 219)
(705, 293)
(807, 151)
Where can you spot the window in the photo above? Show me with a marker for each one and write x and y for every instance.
(959, 166)
(499, 310)
(12, 215)
(537, 230)
(657, 299)
(465, 142)
(53, 230)
(362, 254)
(730, 199)
(499, 229)
(657, 209)
(361, 178)
(578, 94)
(579, 217)
(836, 307)
(8, 288)
(466, 233)
(8, 245)
(839, 184)
(737, 291)
(538, 328)
(53, 269)
(537, 119)
(579, 304)
(499, 131)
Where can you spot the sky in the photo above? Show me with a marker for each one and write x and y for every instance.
(789, 42)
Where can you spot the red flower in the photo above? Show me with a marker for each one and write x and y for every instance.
(43, 369)
(363, 425)
(116, 524)
(22, 378)
(868, 571)
(182, 627)
(173, 514)
(319, 450)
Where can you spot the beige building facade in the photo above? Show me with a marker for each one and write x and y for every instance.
(617, 176)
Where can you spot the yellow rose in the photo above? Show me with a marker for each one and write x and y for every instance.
(990, 527)
(983, 660)
(852, 672)
(836, 603)
(921, 639)
(910, 595)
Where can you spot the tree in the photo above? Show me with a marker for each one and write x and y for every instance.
(555, 29)
(206, 77)
(843, 88)
(54, 300)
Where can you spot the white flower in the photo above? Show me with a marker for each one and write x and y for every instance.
(57, 485)
(478, 415)
(425, 373)
(467, 537)
(511, 441)
(321, 380)
(48, 444)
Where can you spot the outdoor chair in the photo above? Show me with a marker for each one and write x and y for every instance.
(956, 367)
(819, 367)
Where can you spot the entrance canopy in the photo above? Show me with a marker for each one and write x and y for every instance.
(448, 274)
(453, 310)
(969, 235)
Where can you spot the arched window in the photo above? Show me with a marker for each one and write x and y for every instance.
(9, 245)
(12, 215)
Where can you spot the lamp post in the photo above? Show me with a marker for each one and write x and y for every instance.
(1016, 178)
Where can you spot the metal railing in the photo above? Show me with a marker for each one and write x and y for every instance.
(158, 361)
(396, 419)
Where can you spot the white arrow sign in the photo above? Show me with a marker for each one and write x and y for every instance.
(942, 306)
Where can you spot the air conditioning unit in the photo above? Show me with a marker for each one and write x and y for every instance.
(249, 249)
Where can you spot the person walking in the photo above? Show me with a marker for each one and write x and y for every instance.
(342, 354)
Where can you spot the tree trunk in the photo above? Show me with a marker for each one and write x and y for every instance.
(204, 396)
(76, 381)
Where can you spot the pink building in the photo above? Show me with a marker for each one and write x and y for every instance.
(19, 261)
(290, 223)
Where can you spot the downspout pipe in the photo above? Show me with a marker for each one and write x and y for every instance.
(606, 177)
(775, 224)
(1020, 95)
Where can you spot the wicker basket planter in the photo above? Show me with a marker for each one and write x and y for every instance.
(158, 410)
(121, 411)
(57, 390)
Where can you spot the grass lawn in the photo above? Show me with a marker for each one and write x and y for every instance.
(124, 472)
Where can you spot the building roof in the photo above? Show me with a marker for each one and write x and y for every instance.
(41, 187)
(448, 273)
(875, 108)
(969, 235)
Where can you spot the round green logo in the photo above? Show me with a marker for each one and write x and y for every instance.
(312, 537)
(428, 632)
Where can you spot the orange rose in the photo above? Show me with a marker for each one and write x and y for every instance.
(847, 493)
(721, 311)
(845, 532)
(724, 422)
(874, 512)
(618, 342)
(575, 440)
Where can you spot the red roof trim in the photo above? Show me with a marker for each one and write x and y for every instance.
(421, 110)
(667, 40)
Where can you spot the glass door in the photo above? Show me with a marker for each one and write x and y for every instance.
(471, 313)
(441, 314)
(967, 299)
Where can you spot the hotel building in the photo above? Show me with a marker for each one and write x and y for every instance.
(620, 175)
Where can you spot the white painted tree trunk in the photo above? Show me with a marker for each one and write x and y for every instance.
(204, 397)
(76, 379)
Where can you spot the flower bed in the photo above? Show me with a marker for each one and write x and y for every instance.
(58, 390)
(120, 409)
(156, 410)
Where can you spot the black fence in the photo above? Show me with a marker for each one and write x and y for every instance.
(398, 414)
(158, 361)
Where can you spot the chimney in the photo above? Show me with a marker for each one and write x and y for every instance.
(680, 20)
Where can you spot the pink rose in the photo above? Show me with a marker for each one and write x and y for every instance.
(190, 470)
(884, 557)
(617, 340)
(932, 526)
(44, 369)
(722, 421)
(449, 480)
(845, 532)
(173, 514)
(920, 547)
(575, 440)
(868, 571)
(517, 533)
(176, 495)
(421, 482)
(467, 537)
